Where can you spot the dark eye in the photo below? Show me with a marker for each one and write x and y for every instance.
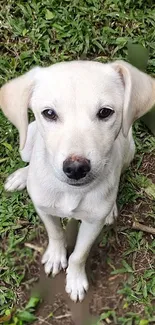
(104, 112)
(50, 114)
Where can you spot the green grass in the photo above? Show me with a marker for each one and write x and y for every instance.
(42, 33)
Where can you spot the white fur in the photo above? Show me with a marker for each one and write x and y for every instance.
(76, 91)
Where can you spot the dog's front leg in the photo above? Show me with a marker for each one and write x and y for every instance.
(54, 257)
(76, 280)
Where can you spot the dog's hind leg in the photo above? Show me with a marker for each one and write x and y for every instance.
(17, 180)
(112, 216)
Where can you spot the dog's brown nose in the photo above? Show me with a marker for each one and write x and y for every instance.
(76, 167)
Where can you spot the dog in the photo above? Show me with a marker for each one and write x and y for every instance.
(77, 147)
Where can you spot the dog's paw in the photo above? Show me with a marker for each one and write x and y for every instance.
(17, 180)
(76, 282)
(112, 215)
(54, 258)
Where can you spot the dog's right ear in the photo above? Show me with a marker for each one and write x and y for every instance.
(15, 98)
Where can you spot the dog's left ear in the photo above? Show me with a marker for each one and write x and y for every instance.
(139, 93)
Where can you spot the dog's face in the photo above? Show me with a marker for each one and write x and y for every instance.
(80, 108)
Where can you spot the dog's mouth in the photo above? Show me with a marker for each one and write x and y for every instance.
(80, 183)
(77, 184)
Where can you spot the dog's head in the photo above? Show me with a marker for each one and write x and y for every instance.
(80, 108)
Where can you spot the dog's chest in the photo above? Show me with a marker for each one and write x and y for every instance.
(67, 205)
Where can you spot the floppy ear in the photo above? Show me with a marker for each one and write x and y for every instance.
(139, 93)
(14, 101)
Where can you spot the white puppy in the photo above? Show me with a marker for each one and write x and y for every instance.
(77, 147)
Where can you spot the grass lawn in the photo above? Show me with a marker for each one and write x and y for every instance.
(41, 33)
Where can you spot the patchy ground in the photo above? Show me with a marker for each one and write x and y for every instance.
(122, 287)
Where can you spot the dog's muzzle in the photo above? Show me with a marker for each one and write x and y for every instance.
(76, 167)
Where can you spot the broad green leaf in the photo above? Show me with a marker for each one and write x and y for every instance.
(150, 190)
(24, 31)
(144, 290)
(144, 322)
(49, 14)
(33, 302)
(3, 159)
(7, 145)
(26, 316)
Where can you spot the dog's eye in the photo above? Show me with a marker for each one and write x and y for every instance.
(104, 112)
(50, 114)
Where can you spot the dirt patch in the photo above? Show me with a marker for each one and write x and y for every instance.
(140, 211)
(148, 166)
